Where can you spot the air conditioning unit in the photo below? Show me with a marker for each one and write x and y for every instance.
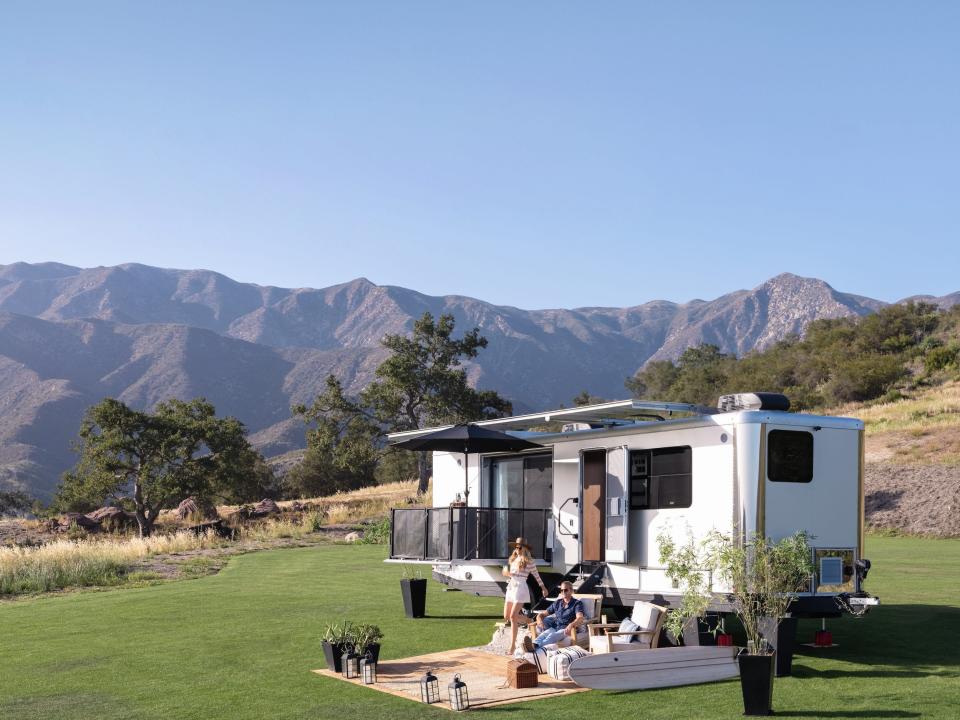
(753, 401)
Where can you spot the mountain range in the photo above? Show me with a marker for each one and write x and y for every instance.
(72, 336)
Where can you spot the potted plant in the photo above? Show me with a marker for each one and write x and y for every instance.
(366, 640)
(336, 638)
(414, 591)
(684, 566)
(762, 579)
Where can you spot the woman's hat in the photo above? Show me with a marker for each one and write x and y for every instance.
(520, 542)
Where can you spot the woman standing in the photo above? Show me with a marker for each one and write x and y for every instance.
(518, 568)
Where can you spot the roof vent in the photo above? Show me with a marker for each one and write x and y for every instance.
(753, 401)
(575, 426)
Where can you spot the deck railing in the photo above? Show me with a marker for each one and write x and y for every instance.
(466, 533)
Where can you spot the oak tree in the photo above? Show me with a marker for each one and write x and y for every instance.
(151, 461)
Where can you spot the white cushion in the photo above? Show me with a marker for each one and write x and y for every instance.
(559, 663)
(587, 608)
(645, 615)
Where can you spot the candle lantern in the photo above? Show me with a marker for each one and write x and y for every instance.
(368, 669)
(429, 688)
(459, 698)
(350, 663)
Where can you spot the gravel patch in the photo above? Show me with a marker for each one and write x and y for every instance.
(916, 499)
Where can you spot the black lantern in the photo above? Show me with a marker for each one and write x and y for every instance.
(459, 699)
(429, 688)
(368, 669)
(350, 664)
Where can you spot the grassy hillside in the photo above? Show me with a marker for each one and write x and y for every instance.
(243, 643)
(920, 428)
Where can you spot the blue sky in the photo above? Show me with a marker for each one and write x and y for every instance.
(537, 154)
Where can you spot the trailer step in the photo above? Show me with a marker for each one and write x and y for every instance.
(583, 576)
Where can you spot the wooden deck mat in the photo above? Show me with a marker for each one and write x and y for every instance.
(484, 673)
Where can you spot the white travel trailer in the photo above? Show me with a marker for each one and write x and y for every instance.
(611, 477)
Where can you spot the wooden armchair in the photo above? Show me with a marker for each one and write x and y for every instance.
(607, 637)
(592, 617)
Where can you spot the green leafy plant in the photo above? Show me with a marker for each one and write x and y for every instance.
(364, 635)
(683, 565)
(377, 533)
(338, 633)
(763, 579)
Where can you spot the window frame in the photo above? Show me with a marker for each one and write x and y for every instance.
(774, 435)
(654, 480)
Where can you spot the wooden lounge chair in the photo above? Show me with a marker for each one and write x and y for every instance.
(607, 637)
(592, 617)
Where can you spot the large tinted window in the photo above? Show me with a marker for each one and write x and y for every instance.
(519, 482)
(790, 456)
(661, 478)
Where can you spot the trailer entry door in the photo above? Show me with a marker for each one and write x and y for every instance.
(594, 498)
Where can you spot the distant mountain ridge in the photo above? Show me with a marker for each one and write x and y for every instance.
(71, 336)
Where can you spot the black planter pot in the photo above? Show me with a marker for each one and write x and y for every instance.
(756, 683)
(373, 650)
(786, 637)
(332, 652)
(414, 596)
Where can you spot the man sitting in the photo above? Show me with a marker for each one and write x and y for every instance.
(562, 618)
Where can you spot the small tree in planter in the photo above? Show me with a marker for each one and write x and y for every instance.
(336, 638)
(684, 566)
(763, 578)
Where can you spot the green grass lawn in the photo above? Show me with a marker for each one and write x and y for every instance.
(241, 644)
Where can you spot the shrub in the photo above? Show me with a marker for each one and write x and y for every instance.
(940, 358)
(377, 533)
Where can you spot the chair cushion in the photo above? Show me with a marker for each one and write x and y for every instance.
(559, 664)
(587, 608)
(539, 658)
(645, 615)
(627, 625)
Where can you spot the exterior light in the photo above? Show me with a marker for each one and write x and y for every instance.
(429, 689)
(368, 670)
(350, 663)
(459, 699)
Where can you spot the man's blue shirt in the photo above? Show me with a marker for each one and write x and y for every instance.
(565, 614)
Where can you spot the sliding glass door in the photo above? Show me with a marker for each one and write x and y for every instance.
(512, 484)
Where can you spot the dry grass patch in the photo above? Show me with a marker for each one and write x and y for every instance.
(74, 563)
(921, 429)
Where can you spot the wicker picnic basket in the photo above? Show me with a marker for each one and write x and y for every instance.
(521, 674)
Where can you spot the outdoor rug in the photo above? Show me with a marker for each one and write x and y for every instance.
(484, 673)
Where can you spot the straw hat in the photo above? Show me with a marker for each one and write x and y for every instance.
(520, 542)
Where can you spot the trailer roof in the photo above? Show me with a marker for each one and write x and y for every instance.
(602, 413)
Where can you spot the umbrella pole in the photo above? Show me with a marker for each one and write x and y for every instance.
(466, 478)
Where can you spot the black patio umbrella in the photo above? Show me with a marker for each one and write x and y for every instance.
(467, 439)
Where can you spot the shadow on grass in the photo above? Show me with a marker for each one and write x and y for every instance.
(803, 672)
(918, 640)
(464, 617)
(847, 713)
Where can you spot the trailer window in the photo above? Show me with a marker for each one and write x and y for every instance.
(790, 456)
(661, 478)
(518, 482)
